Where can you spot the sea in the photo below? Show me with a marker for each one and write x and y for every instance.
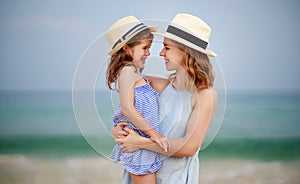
(47, 124)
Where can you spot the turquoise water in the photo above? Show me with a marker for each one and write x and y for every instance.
(76, 146)
(42, 123)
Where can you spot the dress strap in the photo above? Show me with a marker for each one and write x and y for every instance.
(142, 75)
(116, 84)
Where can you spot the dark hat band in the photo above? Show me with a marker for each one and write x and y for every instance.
(130, 32)
(186, 36)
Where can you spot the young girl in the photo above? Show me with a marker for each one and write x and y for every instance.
(189, 97)
(130, 40)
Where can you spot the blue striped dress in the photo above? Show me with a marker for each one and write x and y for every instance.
(141, 162)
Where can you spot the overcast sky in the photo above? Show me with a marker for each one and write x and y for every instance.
(257, 41)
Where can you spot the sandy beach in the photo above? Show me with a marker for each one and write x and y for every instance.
(18, 169)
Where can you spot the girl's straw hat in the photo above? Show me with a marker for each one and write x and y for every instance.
(123, 30)
(190, 31)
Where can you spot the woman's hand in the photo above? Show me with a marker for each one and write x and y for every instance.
(118, 131)
(130, 142)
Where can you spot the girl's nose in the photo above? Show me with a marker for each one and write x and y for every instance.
(147, 53)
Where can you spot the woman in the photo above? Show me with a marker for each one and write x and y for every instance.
(189, 98)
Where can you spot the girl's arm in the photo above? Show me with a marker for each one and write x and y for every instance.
(127, 83)
(203, 109)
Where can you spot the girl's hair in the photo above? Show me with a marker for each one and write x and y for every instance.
(198, 67)
(121, 59)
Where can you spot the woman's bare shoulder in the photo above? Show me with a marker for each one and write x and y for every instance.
(204, 96)
(207, 92)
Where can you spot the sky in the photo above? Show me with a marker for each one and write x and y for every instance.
(257, 41)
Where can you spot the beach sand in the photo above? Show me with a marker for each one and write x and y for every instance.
(19, 169)
(249, 172)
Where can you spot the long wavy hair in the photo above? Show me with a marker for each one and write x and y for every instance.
(198, 67)
(121, 59)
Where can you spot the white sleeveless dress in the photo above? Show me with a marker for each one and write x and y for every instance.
(176, 109)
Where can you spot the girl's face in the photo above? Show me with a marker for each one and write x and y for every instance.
(174, 57)
(139, 53)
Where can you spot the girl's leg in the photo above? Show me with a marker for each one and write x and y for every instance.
(143, 179)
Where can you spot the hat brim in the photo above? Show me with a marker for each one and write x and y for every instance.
(186, 43)
(152, 29)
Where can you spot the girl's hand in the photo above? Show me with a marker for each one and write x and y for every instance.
(118, 131)
(130, 142)
(162, 141)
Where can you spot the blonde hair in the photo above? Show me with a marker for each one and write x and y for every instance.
(121, 59)
(198, 67)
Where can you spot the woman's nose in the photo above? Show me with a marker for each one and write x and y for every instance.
(162, 52)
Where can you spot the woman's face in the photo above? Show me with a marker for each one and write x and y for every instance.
(139, 53)
(174, 57)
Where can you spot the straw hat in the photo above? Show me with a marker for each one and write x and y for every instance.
(190, 31)
(123, 30)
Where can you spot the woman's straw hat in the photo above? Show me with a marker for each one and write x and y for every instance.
(123, 30)
(190, 31)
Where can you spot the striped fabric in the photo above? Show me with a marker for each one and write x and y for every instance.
(147, 102)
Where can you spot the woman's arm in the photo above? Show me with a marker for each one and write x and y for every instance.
(127, 83)
(157, 83)
(204, 104)
(198, 124)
